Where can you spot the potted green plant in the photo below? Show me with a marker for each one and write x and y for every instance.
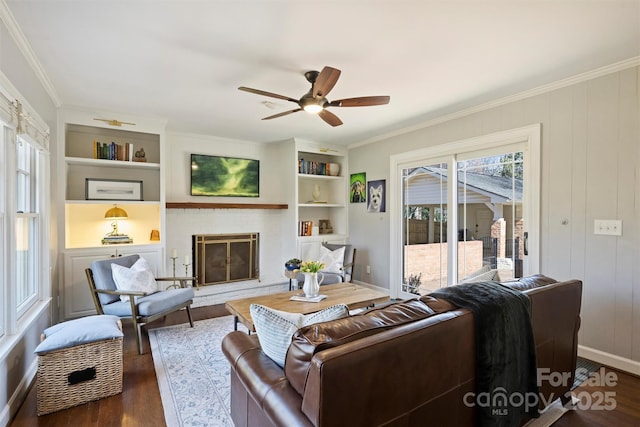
(412, 284)
(293, 264)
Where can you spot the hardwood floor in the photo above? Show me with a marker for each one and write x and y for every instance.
(140, 405)
(624, 396)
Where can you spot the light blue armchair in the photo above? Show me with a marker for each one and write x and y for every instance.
(142, 307)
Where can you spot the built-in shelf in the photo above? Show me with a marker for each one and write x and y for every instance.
(110, 163)
(319, 177)
(320, 205)
(190, 205)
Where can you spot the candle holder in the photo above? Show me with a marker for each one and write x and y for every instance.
(173, 261)
(186, 269)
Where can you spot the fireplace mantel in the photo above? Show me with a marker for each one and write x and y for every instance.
(191, 205)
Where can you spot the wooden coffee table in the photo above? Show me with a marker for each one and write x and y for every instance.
(354, 296)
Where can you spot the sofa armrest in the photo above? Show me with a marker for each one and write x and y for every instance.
(263, 380)
(129, 293)
(555, 317)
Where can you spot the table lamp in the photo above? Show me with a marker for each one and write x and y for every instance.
(116, 213)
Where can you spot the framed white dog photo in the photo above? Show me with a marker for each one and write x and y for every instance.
(376, 195)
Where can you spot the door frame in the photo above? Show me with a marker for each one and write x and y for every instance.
(528, 140)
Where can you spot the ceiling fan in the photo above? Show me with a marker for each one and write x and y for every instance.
(315, 100)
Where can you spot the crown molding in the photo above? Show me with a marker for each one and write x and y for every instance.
(569, 81)
(23, 45)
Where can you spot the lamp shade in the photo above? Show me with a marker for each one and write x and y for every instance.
(116, 213)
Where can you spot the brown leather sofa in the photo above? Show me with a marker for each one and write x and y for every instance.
(406, 364)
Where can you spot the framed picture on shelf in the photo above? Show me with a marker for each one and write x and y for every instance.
(112, 189)
(224, 176)
(325, 227)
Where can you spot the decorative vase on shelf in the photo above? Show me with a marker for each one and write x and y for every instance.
(316, 193)
(311, 286)
(334, 169)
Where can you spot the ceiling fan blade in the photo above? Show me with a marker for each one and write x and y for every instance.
(325, 81)
(263, 93)
(363, 101)
(330, 118)
(275, 116)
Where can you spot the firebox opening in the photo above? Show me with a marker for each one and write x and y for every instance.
(224, 258)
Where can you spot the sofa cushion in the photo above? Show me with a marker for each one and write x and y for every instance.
(275, 327)
(151, 304)
(436, 304)
(138, 277)
(83, 330)
(530, 282)
(483, 274)
(309, 340)
(333, 260)
(103, 276)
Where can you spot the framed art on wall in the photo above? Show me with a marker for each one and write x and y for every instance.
(224, 176)
(376, 195)
(112, 189)
(357, 191)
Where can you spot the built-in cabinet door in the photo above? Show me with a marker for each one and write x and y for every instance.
(77, 296)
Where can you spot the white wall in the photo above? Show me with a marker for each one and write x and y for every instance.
(590, 169)
(17, 362)
(272, 224)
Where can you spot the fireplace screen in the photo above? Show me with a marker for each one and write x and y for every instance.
(223, 258)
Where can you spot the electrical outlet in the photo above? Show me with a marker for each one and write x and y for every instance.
(609, 227)
(368, 269)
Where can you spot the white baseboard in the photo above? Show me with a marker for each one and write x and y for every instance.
(621, 363)
(12, 406)
(369, 285)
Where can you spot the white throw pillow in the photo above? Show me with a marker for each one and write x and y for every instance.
(333, 260)
(137, 278)
(275, 328)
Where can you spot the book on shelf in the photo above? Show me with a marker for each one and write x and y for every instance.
(117, 239)
(305, 228)
(303, 298)
(113, 151)
(309, 167)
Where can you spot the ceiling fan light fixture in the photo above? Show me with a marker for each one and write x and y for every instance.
(312, 108)
(315, 100)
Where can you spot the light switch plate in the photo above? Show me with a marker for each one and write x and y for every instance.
(609, 227)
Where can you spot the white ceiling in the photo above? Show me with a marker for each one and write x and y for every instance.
(183, 60)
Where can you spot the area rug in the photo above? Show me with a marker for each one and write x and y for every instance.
(192, 372)
(193, 375)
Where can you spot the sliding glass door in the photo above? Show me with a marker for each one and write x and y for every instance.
(490, 220)
(424, 227)
(465, 214)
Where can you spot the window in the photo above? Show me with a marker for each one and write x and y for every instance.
(24, 231)
(473, 227)
(27, 232)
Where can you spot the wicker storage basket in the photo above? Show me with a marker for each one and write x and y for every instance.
(76, 375)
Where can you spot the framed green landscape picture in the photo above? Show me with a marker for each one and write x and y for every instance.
(224, 176)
